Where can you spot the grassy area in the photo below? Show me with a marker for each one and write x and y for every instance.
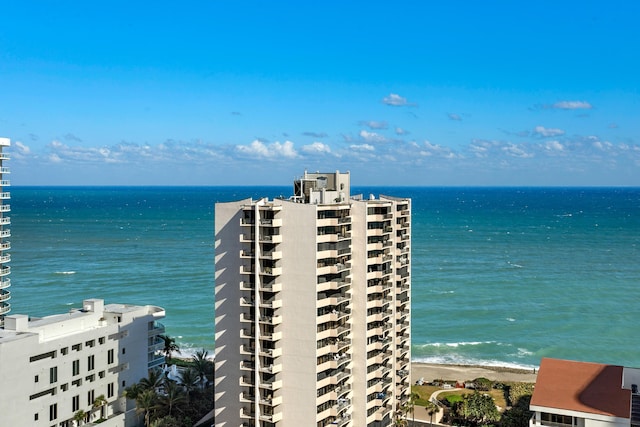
(425, 392)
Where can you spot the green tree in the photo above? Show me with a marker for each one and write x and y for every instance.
(432, 409)
(519, 390)
(202, 365)
(146, 402)
(410, 406)
(189, 379)
(482, 384)
(170, 346)
(99, 403)
(153, 381)
(519, 414)
(400, 420)
(168, 421)
(476, 409)
(79, 417)
(172, 396)
(133, 391)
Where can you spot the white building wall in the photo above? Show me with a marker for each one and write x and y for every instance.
(38, 359)
(298, 310)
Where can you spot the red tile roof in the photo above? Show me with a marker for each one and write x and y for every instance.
(583, 387)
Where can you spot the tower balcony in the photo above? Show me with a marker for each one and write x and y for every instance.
(246, 286)
(333, 285)
(5, 283)
(246, 238)
(5, 220)
(275, 336)
(5, 308)
(324, 301)
(246, 269)
(5, 195)
(271, 352)
(5, 270)
(271, 287)
(5, 258)
(271, 320)
(5, 170)
(5, 233)
(271, 222)
(4, 295)
(5, 208)
(271, 385)
(272, 255)
(5, 183)
(271, 271)
(247, 365)
(271, 369)
(272, 303)
(271, 238)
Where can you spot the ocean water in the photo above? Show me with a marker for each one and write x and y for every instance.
(501, 276)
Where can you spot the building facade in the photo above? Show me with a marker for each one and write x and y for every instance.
(55, 367)
(312, 307)
(5, 232)
(584, 394)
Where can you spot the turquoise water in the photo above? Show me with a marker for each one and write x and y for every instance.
(501, 276)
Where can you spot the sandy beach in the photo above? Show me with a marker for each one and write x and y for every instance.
(429, 372)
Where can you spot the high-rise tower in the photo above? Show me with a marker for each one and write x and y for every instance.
(5, 233)
(312, 308)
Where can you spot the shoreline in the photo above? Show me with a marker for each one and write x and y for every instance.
(453, 372)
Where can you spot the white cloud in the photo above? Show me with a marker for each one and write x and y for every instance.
(400, 131)
(362, 147)
(54, 158)
(454, 116)
(395, 100)
(572, 105)
(372, 136)
(516, 151)
(372, 124)
(276, 149)
(316, 147)
(554, 146)
(546, 132)
(21, 148)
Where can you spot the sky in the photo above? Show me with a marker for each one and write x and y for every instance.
(399, 93)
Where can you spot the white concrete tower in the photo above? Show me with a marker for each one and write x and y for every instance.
(5, 233)
(312, 310)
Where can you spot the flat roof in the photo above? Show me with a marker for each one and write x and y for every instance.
(583, 387)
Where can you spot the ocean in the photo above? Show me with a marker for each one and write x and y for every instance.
(500, 276)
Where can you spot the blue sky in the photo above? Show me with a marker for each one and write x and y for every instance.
(399, 93)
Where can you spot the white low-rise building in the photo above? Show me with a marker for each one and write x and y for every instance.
(584, 394)
(55, 367)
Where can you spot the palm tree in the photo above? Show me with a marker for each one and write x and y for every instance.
(79, 416)
(172, 395)
(201, 364)
(153, 381)
(189, 380)
(400, 421)
(99, 402)
(145, 403)
(410, 406)
(432, 409)
(170, 346)
(133, 391)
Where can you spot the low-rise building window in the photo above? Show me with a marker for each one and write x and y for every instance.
(53, 412)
